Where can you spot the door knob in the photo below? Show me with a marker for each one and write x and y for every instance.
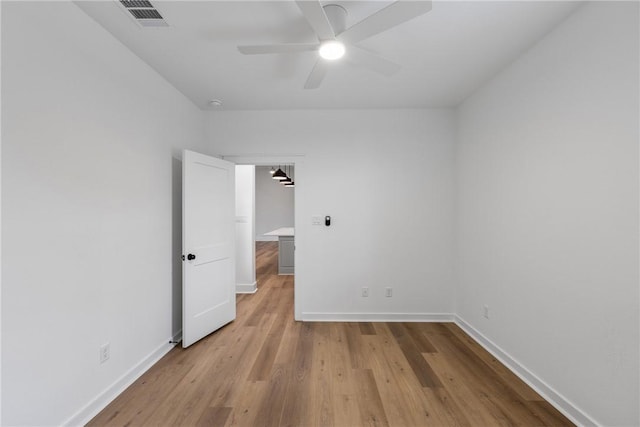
(191, 257)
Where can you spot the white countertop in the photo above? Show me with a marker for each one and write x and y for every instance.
(284, 231)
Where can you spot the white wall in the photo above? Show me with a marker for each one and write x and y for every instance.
(0, 224)
(274, 204)
(245, 226)
(386, 179)
(90, 138)
(547, 208)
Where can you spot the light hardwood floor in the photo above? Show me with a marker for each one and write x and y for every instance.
(265, 369)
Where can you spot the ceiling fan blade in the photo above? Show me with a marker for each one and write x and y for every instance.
(372, 61)
(314, 13)
(278, 48)
(317, 74)
(394, 14)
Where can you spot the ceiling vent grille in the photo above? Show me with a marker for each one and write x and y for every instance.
(136, 3)
(144, 13)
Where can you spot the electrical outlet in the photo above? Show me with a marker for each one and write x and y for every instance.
(388, 292)
(105, 352)
(486, 311)
(365, 292)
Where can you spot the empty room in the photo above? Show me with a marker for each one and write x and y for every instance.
(464, 217)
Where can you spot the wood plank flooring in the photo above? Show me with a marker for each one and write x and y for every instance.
(265, 369)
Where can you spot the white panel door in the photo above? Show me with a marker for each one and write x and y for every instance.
(208, 245)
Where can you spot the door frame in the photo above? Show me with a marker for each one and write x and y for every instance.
(298, 162)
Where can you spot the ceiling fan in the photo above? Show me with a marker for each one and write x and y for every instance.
(334, 39)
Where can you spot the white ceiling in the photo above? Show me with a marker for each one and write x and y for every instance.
(446, 54)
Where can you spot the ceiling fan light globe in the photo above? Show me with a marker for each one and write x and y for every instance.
(332, 50)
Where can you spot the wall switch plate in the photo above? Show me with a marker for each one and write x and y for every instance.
(486, 311)
(365, 292)
(317, 220)
(388, 292)
(105, 352)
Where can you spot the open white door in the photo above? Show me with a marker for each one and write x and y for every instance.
(208, 245)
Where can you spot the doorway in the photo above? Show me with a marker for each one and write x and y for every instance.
(274, 201)
(273, 232)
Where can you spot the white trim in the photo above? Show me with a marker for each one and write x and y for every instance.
(246, 288)
(562, 404)
(266, 239)
(297, 160)
(377, 317)
(91, 409)
(262, 160)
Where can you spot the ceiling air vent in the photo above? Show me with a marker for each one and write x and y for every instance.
(144, 13)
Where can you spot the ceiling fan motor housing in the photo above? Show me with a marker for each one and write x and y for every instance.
(337, 16)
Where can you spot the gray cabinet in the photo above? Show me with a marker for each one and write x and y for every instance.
(286, 256)
(286, 248)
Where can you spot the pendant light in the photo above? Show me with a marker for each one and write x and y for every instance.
(272, 171)
(279, 175)
(287, 180)
(291, 183)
